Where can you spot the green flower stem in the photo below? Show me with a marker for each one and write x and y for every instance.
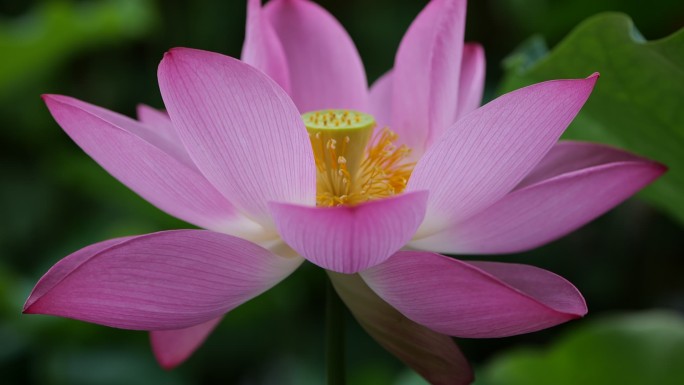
(334, 336)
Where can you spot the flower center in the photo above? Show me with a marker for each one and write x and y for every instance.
(354, 165)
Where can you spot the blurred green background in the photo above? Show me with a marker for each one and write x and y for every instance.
(53, 200)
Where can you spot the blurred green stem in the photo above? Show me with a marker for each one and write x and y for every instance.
(334, 336)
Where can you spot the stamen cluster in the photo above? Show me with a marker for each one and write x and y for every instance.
(353, 167)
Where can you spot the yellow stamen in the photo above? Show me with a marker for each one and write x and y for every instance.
(351, 166)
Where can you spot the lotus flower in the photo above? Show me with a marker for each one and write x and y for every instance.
(234, 156)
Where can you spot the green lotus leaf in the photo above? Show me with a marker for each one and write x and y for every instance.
(638, 103)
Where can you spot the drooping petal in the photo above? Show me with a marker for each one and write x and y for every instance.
(427, 72)
(161, 281)
(432, 355)
(472, 80)
(159, 125)
(262, 48)
(474, 299)
(348, 239)
(380, 97)
(112, 141)
(326, 71)
(172, 347)
(61, 270)
(240, 128)
(485, 154)
(545, 210)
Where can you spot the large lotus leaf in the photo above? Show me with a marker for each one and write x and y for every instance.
(638, 103)
(635, 349)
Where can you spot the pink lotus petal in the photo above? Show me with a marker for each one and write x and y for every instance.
(472, 80)
(569, 156)
(112, 141)
(166, 280)
(426, 74)
(325, 68)
(380, 97)
(474, 299)
(159, 125)
(262, 48)
(548, 209)
(240, 128)
(486, 153)
(172, 347)
(432, 355)
(348, 239)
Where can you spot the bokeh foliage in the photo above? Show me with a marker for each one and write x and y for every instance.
(54, 31)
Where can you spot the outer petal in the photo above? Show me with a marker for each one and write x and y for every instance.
(426, 73)
(487, 152)
(172, 347)
(112, 140)
(240, 128)
(160, 281)
(325, 68)
(434, 356)
(262, 48)
(349, 239)
(381, 100)
(472, 80)
(475, 299)
(541, 212)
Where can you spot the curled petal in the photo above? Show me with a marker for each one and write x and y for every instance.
(161, 281)
(488, 152)
(427, 74)
(474, 299)
(120, 146)
(158, 119)
(570, 156)
(172, 347)
(324, 66)
(159, 125)
(262, 48)
(348, 239)
(542, 210)
(434, 356)
(240, 128)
